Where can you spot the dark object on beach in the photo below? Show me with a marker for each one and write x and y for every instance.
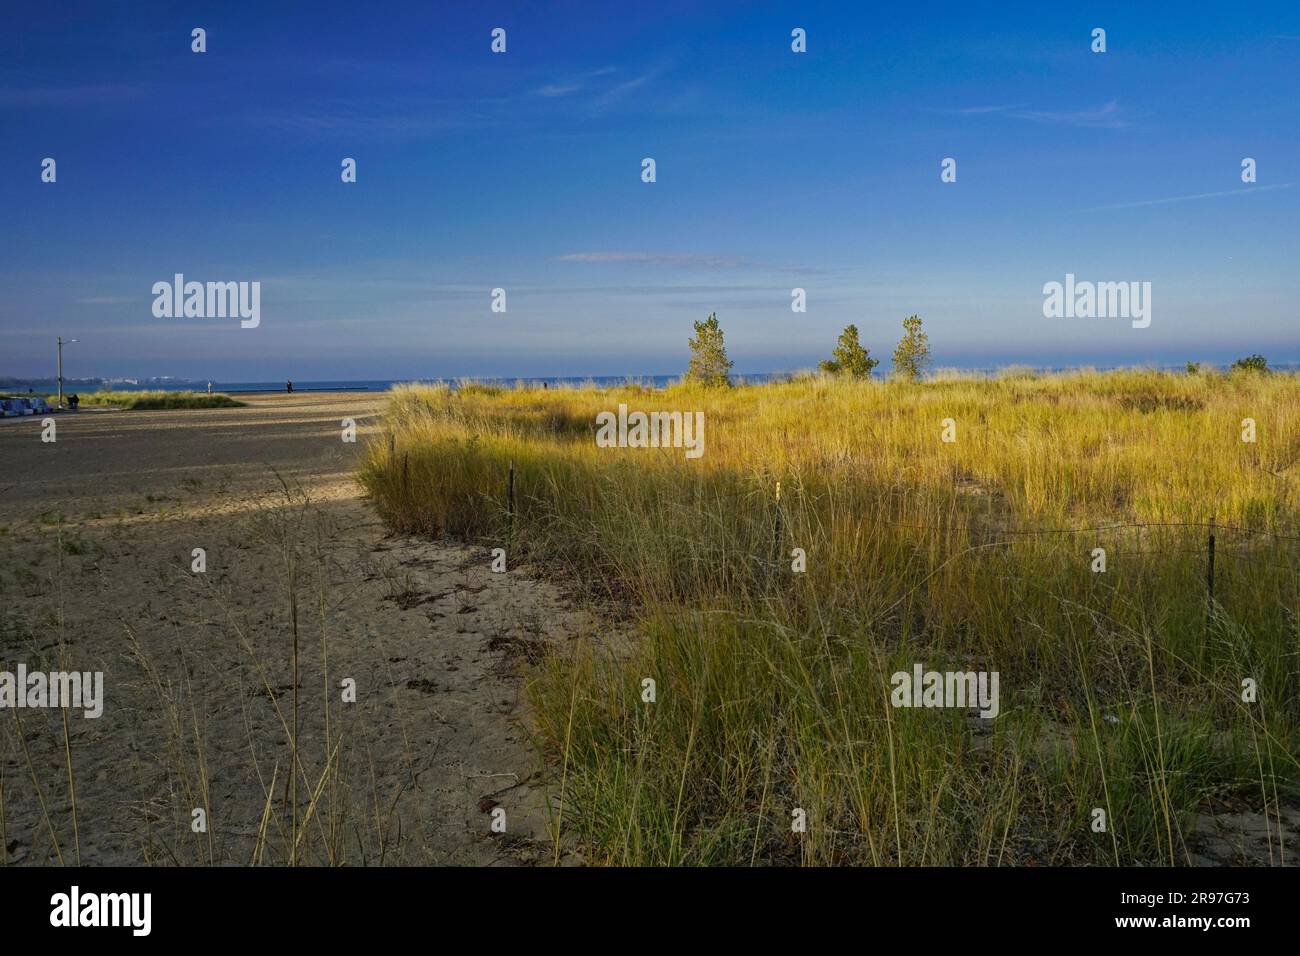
(543, 385)
(288, 386)
(73, 401)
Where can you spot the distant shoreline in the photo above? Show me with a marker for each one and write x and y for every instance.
(657, 381)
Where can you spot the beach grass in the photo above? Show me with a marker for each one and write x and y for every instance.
(1125, 692)
(155, 400)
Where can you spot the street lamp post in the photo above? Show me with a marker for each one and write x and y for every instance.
(61, 344)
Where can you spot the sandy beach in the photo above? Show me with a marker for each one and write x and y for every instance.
(97, 538)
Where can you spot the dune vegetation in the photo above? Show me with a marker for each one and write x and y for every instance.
(154, 400)
(958, 523)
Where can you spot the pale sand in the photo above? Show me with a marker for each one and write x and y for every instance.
(96, 535)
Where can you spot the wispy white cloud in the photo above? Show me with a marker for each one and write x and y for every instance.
(1175, 199)
(610, 97)
(1107, 116)
(558, 89)
(400, 116)
(688, 260)
(976, 110)
(573, 84)
(419, 115)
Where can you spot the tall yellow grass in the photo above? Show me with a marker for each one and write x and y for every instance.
(1120, 690)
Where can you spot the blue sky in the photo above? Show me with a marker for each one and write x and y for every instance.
(522, 170)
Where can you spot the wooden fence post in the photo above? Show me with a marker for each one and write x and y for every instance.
(510, 501)
(1209, 583)
(776, 528)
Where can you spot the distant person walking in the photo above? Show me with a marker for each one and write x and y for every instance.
(288, 386)
(209, 388)
(73, 401)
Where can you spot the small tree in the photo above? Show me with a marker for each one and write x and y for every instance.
(1193, 368)
(709, 364)
(913, 353)
(849, 357)
(1251, 363)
